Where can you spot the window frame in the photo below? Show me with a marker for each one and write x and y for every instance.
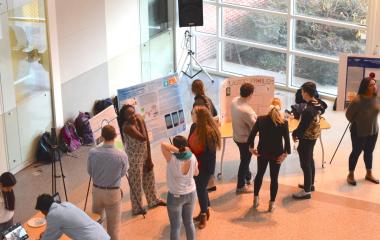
(289, 49)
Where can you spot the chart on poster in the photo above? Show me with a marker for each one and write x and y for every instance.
(159, 102)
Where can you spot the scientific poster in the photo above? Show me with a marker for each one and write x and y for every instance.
(106, 117)
(159, 102)
(262, 95)
(352, 69)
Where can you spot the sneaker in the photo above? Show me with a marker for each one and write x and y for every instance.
(255, 201)
(243, 190)
(302, 195)
(271, 206)
(301, 186)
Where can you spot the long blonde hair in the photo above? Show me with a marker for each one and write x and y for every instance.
(274, 112)
(206, 130)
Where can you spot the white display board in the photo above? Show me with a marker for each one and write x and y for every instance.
(160, 103)
(352, 69)
(262, 95)
(106, 117)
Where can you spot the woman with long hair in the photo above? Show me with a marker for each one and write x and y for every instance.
(137, 147)
(272, 128)
(7, 200)
(181, 168)
(362, 114)
(204, 140)
(200, 98)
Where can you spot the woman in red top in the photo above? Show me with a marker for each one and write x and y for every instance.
(204, 140)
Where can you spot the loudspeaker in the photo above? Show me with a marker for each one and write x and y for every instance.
(190, 13)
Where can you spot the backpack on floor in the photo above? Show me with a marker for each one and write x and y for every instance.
(70, 137)
(83, 128)
(44, 152)
(100, 105)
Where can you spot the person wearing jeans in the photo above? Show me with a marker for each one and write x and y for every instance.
(307, 132)
(204, 140)
(182, 166)
(243, 119)
(362, 114)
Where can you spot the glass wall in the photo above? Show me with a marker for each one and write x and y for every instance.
(292, 40)
(157, 38)
(25, 79)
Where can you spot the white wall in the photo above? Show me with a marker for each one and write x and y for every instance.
(123, 43)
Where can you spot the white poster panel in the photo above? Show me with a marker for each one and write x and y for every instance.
(262, 95)
(159, 102)
(106, 117)
(352, 69)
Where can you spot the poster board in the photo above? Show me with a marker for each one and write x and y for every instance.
(159, 102)
(262, 95)
(105, 117)
(352, 69)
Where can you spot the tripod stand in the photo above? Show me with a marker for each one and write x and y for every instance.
(332, 158)
(186, 45)
(56, 157)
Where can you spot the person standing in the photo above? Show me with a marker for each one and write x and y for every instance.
(362, 114)
(204, 140)
(307, 133)
(182, 166)
(200, 98)
(65, 218)
(7, 200)
(106, 166)
(243, 119)
(272, 128)
(137, 147)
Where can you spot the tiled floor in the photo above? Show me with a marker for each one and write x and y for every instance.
(336, 210)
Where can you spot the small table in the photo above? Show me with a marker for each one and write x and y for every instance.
(227, 132)
(35, 232)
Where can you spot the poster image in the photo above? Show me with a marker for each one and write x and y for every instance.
(159, 102)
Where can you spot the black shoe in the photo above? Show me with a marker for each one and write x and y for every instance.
(211, 189)
(158, 203)
(312, 187)
(141, 212)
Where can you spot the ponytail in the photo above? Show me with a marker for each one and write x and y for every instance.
(274, 112)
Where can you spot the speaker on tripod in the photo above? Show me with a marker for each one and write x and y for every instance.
(190, 13)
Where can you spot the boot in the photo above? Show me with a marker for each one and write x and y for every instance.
(198, 218)
(351, 178)
(202, 221)
(370, 177)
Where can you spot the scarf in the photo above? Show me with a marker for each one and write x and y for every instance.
(183, 155)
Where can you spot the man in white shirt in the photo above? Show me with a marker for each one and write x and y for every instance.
(65, 218)
(243, 119)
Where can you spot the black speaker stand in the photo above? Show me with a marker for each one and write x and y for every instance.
(56, 158)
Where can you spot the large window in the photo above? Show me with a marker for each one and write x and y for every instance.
(292, 40)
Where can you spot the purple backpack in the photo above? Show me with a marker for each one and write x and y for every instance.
(83, 128)
(70, 137)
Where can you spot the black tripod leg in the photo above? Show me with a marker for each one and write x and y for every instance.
(132, 193)
(63, 175)
(332, 158)
(88, 190)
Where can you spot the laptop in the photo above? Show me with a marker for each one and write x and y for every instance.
(15, 232)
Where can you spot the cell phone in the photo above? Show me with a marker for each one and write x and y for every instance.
(168, 121)
(181, 116)
(175, 119)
